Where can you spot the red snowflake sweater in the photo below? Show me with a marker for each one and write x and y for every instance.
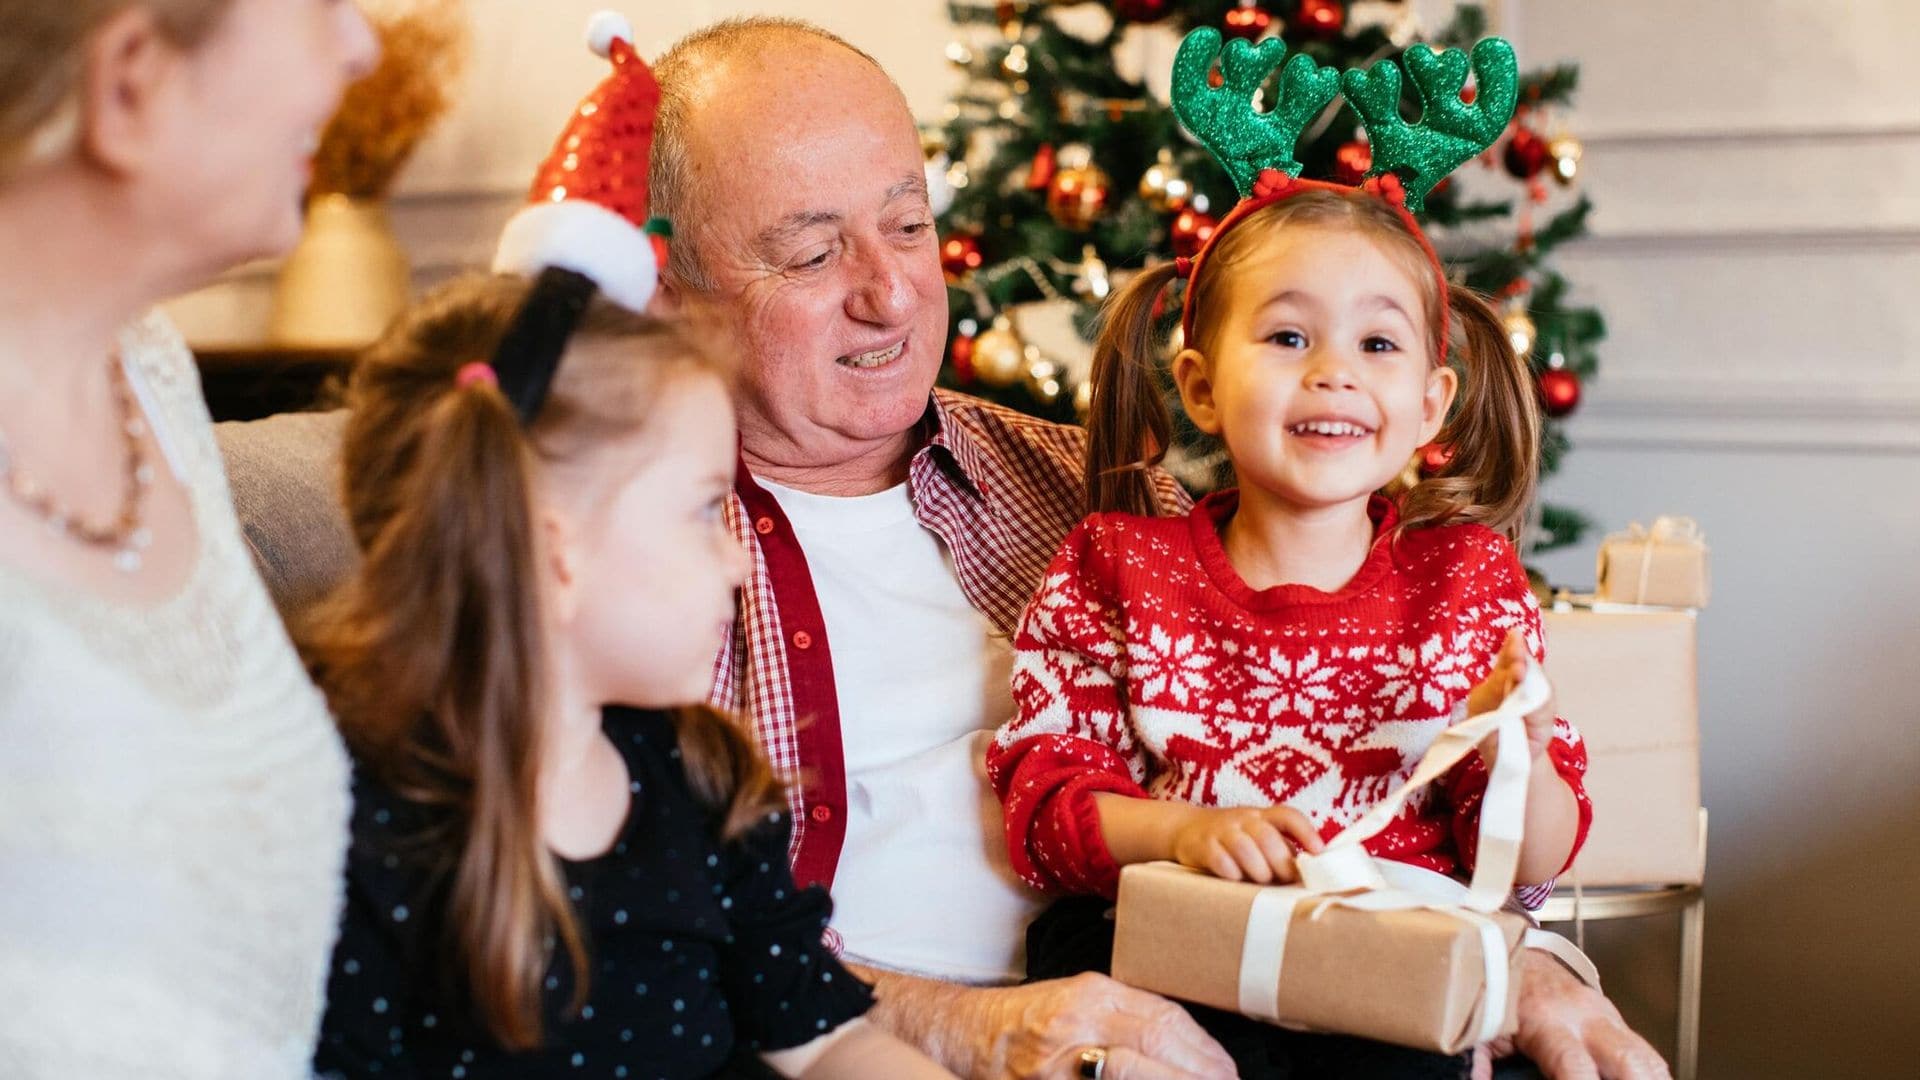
(1146, 666)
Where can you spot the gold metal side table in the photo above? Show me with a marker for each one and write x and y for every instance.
(1635, 902)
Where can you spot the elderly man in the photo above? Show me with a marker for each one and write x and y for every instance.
(896, 532)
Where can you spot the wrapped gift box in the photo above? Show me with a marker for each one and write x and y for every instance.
(1413, 977)
(1626, 679)
(1664, 565)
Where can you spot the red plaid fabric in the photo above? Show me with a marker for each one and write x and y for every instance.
(999, 488)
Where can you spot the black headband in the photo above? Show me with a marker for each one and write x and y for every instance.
(529, 353)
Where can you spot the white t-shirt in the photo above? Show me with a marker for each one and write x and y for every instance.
(923, 884)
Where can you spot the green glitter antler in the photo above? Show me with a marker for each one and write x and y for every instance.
(1244, 139)
(1450, 132)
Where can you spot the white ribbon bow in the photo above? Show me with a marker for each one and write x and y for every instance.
(1345, 875)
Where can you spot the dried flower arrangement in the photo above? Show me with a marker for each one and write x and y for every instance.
(383, 116)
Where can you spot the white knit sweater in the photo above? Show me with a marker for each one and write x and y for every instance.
(173, 806)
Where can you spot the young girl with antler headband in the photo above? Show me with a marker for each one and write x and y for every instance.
(1233, 687)
(561, 865)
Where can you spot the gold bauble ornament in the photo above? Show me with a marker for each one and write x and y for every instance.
(1091, 279)
(1520, 330)
(1162, 186)
(1565, 152)
(1043, 376)
(999, 356)
(1079, 197)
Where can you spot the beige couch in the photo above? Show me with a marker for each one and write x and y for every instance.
(285, 481)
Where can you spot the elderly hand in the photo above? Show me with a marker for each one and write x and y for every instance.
(1039, 1030)
(1571, 1031)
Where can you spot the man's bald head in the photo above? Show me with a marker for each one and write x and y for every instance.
(737, 56)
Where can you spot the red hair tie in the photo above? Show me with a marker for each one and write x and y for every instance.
(1183, 267)
(475, 371)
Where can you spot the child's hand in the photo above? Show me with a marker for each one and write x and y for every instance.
(1245, 843)
(1507, 671)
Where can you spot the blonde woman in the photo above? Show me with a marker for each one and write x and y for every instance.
(173, 796)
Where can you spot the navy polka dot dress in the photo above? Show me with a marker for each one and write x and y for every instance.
(701, 954)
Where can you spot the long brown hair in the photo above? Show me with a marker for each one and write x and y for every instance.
(1493, 427)
(433, 656)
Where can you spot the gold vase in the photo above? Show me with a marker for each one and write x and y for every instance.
(345, 280)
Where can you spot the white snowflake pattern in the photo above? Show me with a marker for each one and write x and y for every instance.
(1291, 685)
(1433, 674)
(1162, 664)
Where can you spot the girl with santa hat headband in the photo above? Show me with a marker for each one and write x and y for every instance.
(561, 865)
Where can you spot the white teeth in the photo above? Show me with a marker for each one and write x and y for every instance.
(876, 358)
(1328, 427)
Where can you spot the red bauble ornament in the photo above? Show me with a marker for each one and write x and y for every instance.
(1142, 11)
(960, 255)
(1352, 162)
(1559, 392)
(961, 357)
(1527, 154)
(1321, 18)
(1191, 229)
(1434, 457)
(1045, 164)
(1247, 22)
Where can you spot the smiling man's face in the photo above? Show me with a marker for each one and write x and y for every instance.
(813, 229)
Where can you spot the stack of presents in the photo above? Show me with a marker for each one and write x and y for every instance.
(1376, 952)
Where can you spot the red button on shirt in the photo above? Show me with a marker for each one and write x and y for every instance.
(822, 812)
(802, 639)
(763, 526)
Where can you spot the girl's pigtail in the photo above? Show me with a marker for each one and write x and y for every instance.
(1493, 431)
(1129, 427)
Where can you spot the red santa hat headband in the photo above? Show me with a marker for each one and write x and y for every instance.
(587, 210)
(1409, 159)
(585, 227)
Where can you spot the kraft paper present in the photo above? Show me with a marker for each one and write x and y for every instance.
(1361, 946)
(1412, 977)
(1626, 680)
(1665, 565)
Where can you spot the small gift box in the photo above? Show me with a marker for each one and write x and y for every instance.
(1665, 565)
(1361, 946)
(1626, 677)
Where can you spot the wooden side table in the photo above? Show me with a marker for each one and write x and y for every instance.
(247, 383)
(1577, 906)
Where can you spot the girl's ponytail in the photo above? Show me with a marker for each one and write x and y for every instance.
(1129, 426)
(1493, 431)
(432, 655)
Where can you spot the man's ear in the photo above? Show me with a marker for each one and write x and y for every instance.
(1196, 390)
(129, 78)
(1443, 383)
(557, 560)
(668, 301)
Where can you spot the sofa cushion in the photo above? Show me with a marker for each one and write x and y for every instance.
(284, 471)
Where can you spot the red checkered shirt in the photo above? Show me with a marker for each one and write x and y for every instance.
(999, 488)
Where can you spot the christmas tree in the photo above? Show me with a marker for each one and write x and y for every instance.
(1060, 166)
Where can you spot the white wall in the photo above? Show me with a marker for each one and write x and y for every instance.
(1756, 166)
